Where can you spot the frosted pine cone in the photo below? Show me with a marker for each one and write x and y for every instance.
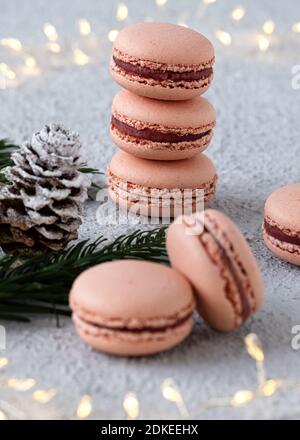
(40, 208)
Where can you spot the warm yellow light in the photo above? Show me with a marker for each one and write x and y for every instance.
(242, 398)
(268, 27)
(54, 47)
(3, 362)
(85, 407)
(131, 405)
(12, 43)
(7, 71)
(80, 57)
(208, 2)
(263, 43)
(224, 37)
(238, 13)
(2, 415)
(161, 2)
(21, 384)
(170, 391)
(44, 396)
(84, 27)
(296, 27)
(254, 347)
(30, 62)
(270, 387)
(112, 35)
(50, 32)
(122, 12)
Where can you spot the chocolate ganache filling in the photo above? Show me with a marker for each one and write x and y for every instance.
(163, 75)
(153, 135)
(142, 329)
(246, 308)
(278, 234)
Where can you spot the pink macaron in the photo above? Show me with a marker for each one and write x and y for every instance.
(161, 130)
(281, 228)
(132, 308)
(162, 61)
(210, 251)
(161, 188)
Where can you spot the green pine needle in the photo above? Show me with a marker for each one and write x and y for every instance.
(41, 284)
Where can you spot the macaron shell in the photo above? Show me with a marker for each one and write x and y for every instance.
(156, 42)
(190, 114)
(284, 251)
(189, 173)
(146, 88)
(131, 292)
(142, 344)
(159, 151)
(283, 207)
(206, 277)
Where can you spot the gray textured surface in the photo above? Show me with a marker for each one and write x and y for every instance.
(255, 150)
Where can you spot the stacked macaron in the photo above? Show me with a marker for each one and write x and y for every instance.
(159, 120)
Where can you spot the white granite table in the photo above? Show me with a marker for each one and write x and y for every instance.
(255, 149)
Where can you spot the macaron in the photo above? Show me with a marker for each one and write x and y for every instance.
(210, 251)
(162, 61)
(161, 130)
(132, 308)
(161, 188)
(281, 228)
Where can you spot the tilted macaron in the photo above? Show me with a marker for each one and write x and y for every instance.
(281, 228)
(161, 188)
(213, 255)
(132, 307)
(162, 61)
(161, 130)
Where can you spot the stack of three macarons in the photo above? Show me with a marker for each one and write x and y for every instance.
(159, 120)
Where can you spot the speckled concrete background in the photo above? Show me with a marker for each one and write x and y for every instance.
(256, 149)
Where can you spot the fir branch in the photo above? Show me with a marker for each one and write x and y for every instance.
(41, 284)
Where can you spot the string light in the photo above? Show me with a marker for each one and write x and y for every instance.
(122, 12)
(242, 397)
(255, 350)
(171, 392)
(84, 27)
(85, 407)
(112, 35)
(238, 13)
(12, 43)
(80, 57)
(224, 37)
(50, 32)
(160, 2)
(44, 396)
(131, 405)
(263, 43)
(268, 27)
(53, 47)
(209, 2)
(269, 387)
(21, 384)
(3, 362)
(30, 62)
(296, 27)
(7, 71)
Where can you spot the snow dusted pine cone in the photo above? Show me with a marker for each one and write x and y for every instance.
(40, 208)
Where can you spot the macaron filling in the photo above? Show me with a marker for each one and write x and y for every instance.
(246, 309)
(277, 233)
(163, 75)
(155, 135)
(147, 328)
